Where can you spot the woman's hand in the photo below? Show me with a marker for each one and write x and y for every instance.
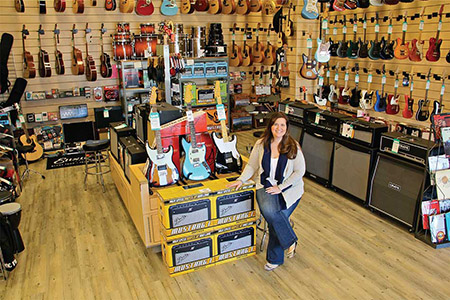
(237, 184)
(273, 190)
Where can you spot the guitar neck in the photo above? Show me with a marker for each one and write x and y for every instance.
(192, 130)
(159, 146)
(403, 37)
(223, 126)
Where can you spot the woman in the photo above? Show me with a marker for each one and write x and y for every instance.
(277, 166)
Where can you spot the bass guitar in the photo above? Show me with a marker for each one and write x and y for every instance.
(334, 44)
(247, 58)
(323, 53)
(105, 59)
(163, 171)
(258, 48)
(375, 46)
(59, 5)
(77, 56)
(353, 49)
(437, 105)
(367, 94)
(380, 104)
(319, 98)
(59, 62)
(126, 6)
(387, 47)
(434, 52)
(19, 6)
(228, 7)
(344, 92)
(356, 93)
(309, 66)
(169, 7)
(78, 6)
(201, 5)
(144, 7)
(243, 7)
(417, 44)
(343, 45)
(45, 69)
(228, 158)
(423, 112)
(194, 165)
(110, 5)
(310, 10)
(408, 111)
(29, 70)
(401, 51)
(235, 53)
(333, 96)
(269, 50)
(91, 69)
(27, 140)
(393, 107)
(364, 45)
(215, 7)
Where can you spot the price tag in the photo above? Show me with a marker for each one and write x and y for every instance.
(154, 121)
(328, 73)
(233, 37)
(106, 113)
(138, 65)
(286, 109)
(377, 28)
(344, 29)
(383, 79)
(360, 113)
(189, 62)
(320, 81)
(347, 131)
(21, 118)
(369, 78)
(336, 76)
(412, 86)
(357, 78)
(364, 25)
(221, 115)
(440, 26)
(355, 27)
(327, 31)
(130, 107)
(442, 90)
(190, 116)
(395, 145)
(346, 77)
(334, 30)
(267, 90)
(405, 26)
(309, 43)
(428, 84)
(421, 24)
(317, 120)
(325, 24)
(396, 83)
(390, 29)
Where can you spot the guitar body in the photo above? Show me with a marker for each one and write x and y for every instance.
(201, 5)
(415, 53)
(236, 56)
(342, 49)
(374, 51)
(434, 52)
(333, 96)
(392, 107)
(187, 7)
(228, 158)
(401, 51)
(407, 111)
(243, 7)
(126, 6)
(344, 95)
(269, 7)
(110, 5)
(228, 7)
(19, 6)
(29, 70)
(437, 109)
(105, 65)
(376, 2)
(42, 7)
(59, 63)
(91, 70)
(37, 152)
(77, 62)
(320, 99)
(215, 7)
(380, 104)
(59, 5)
(355, 98)
(363, 49)
(310, 10)
(387, 49)
(363, 3)
(78, 6)
(422, 113)
(333, 48)
(194, 165)
(144, 7)
(247, 58)
(258, 52)
(391, 2)
(308, 69)
(45, 69)
(163, 171)
(353, 49)
(338, 5)
(366, 101)
(169, 8)
(322, 54)
(269, 55)
(255, 6)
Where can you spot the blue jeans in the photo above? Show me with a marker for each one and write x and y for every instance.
(281, 234)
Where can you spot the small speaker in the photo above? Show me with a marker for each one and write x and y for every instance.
(234, 240)
(396, 188)
(192, 251)
(234, 204)
(189, 213)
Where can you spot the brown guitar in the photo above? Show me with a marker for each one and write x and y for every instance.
(91, 69)
(255, 5)
(269, 7)
(45, 69)
(235, 53)
(243, 7)
(258, 48)
(289, 23)
(77, 56)
(110, 5)
(309, 67)
(281, 36)
(187, 6)
(201, 5)
(126, 6)
(29, 70)
(247, 59)
(228, 7)
(215, 7)
(284, 65)
(78, 6)
(59, 62)
(269, 51)
(105, 59)
(28, 140)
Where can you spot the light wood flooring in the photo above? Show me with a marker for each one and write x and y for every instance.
(83, 245)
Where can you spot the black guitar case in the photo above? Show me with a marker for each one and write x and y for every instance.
(5, 49)
(15, 96)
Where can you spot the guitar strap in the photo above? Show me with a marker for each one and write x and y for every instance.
(5, 49)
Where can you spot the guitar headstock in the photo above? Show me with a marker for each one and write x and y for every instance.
(405, 15)
(258, 27)
(217, 92)
(422, 13)
(321, 70)
(356, 68)
(444, 75)
(234, 28)
(74, 31)
(429, 74)
(87, 29)
(397, 71)
(376, 17)
(383, 69)
(345, 19)
(56, 31)
(441, 10)
(103, 29)
(25, 32)
(346, 67)
(188, 94)
(40, 30)
(153, 95)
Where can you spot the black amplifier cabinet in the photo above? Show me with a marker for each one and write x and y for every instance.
(295, 109)
(118, 130)
(124, 143)
(234, 240)
(134, 154)
(189, 213)
(318, 148)
(352, 168)
(364, 133)
(396, 188)
(192, 251)
(409, 147)
(233, 204)
(324, 119)
(106, 115)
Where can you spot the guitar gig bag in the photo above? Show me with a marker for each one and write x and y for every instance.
(5, 49)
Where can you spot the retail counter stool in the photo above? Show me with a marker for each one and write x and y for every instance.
(96, 153)
(265, 230)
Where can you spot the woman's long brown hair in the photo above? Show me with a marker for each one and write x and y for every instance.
(287, 145)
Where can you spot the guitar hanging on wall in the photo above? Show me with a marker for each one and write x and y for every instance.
(356, 92)
(77, 56)
(59, 5)
(105, 59)
(323, 53)
(29, 70)
(310, 10)
(59, 62)
(401, 51)
(235, 53)
(375, 46)
(228, 7)
(344, 92)
(169, 7)
(91, 69)
(364, 45)
(393, 107)
(78, 6)
(387, 47)
(247, 58)
(215, 7)
(144, 7)
(318, 98)
(19, 6)
(353, 49)
(438, 105)
(417, 44)
(407, 111)
(45, 69)
(269, 50)
(380, 104)
(42, 7)
(367, 94)
(258, 48)
(434, 52)
(423, 112)
(333, 96)
(343, 45)
(110, 5)
(309, 66)
(126, 6)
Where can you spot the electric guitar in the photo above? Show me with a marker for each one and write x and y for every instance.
(375, 46)
(417, 44)
(228, 158)
(19, 6)
(110, 5)
(392, 107)
(437, 105)
(77, 56)
(126, 6)
(401, 51)
(91, 69)
(228, 7)
(29, 70)
(201, 5)
(78, 6)
(343, 45)
(326, 89)
(380, 104)
(258, 48)
(322, 54)
(235, 53)
(356, 93)
(366, 101)
(434, 52)
(353, 49)
(310, 10)
(59, 62)
(309, 66)
(333, 96)
(269, 50)
(105, 59)
(42, 7)
(387, 47)
(243, 7)
(423, 112)
(407, 111)
(59, 5)
(364, 45)
(27, 140)
(187, 6)
(334, 44)
(169, 7)
(289, 24)
(247, 58)
(45, 69)
(344, 92)
(144, 7)
(318, 98)
(163, 171)
(255, 5)
(447, 58)
(215, 6)
(194, 166)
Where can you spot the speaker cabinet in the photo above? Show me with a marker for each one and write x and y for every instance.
(318, 148)
(352, 168)
(396, 188)
(295, 127)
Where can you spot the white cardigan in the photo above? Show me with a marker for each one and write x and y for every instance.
(292, 185)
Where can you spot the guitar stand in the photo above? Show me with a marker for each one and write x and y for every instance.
(27, 171)
(213, 176)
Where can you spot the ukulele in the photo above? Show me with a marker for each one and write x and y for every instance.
(407, 111)
(272, 81)
(105, 60)
(243, 7)
(364, 45)
(228, 158)
(45, 69)
(194, 165)
(27, 140)
(258, 48)
(42, 7)
(78, 6)
(77, 56)
(417, 44)
(215, 6)
(228, 7)
(437, 105)
(163, 171)
(269, 7)
(423, 112)
(187, 6)
(333, 45)
(318, 98)
(310, 10)
(344, 92)
(323, 53)
(375, 46)
(434, 52)
(269, 50)
(201, 5)
(29, 70)
(59, 5)
(333, 96)
(366, 101)
(255, 5)
(126, 6)
(380, 104)
(235, 53)
(392, 107)
(59, 62)
(91, 70)
(353, 49)
(343, 45)
(289, 24)
(387, 47)
(144, 7)
(356, 93)
(110, 5)
(19, 6)
(309, 66)
(247, 59)
(401, 51)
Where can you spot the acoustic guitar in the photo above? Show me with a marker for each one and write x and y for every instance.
(289, 24)
(144, 7)
(408, 111)
(77, 56)
(355, 99)
(215, 7)
(387, 47)
(281, 36)
(169, 8)
(228, 7)
(29, 70)
(247, 58)
(243, 7)
(393, 107)
(235, 53)
(401, 50)
(417, 44)
(187, 6)
(434, 52)
(110, 5)
(269, 7)
(19, 6)
(269, 50)
(258, 48)
(367, 94)
(59, 62)
(255, 5)
(364, 45)
(91, 69)
(105, 59)
(309, 66)
(27, 140)
(201, 5)
(126, 6)
(377, 2)
(423, 112)
(375, 46)
(45, 69)
(380, 104)
(59, 5)
(78, 6)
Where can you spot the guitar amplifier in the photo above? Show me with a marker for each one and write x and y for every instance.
(234, 240)
(295, 110)
(192, 251)
(233, 204)
(324, 119)
(364, 133)
(106, 115)
(189, 213)
(141, 114)
(118, 130)
(134, 154)
(409, 147)
(124, 143)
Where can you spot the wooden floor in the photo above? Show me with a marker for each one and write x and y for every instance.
(82, 245)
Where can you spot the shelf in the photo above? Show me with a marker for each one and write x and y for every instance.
(181, 79)
(137, 89)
